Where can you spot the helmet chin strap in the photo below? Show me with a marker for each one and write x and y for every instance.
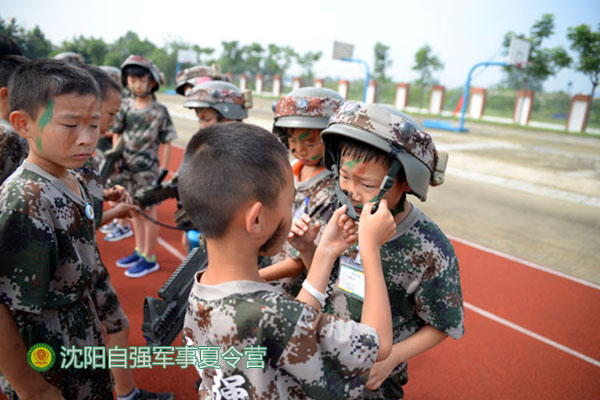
(386, 184)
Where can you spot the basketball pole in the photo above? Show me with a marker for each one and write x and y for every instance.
(468, 87)
(366, 78)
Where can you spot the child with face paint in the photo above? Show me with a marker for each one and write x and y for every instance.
(300, 117)
(236, 185)
(48, 250)
(379, 155)
(144, 124)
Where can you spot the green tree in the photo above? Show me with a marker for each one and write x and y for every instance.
(306, 62)
(382, 62)
(426, 63)
(543, 62)
(586, 43)
(128, 44)
(252, 56)
(33, 42)
(204, 54)
(278, 59)
(93, 50)
(231, 59)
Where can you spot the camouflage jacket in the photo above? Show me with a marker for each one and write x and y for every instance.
(423, 283)
(13, 150)
(320, 191)
(143, 131)
(49, 269)
(307, 354)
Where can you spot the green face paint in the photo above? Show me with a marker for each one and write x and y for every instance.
(373, 199)
(46, 116)
(303, 136)
(351, 164)
(315, 158)
(44, 120)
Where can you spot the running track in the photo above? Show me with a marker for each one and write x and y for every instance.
(530, 333)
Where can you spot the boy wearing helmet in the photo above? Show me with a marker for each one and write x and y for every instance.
(218, 101)
(299, 119)
(379, 153)
(144, 124)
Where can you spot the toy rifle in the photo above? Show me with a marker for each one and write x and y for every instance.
(157, 192)
(107, 165)
(163, 319)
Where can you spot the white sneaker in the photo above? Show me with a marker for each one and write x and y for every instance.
(119, 233)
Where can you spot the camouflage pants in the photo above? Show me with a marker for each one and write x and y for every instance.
(134, 181)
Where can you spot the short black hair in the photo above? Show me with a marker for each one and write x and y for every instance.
(363, 152)
(104, 80)
(8, 46)
(34, 84)
(8, 65)
(136, 70)
(226, 165)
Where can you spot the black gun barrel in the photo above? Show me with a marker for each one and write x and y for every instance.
(163, 318)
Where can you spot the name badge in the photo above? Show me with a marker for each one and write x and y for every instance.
(351, 278)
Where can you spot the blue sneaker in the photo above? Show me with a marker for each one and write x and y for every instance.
(129, 261)
(141, 268)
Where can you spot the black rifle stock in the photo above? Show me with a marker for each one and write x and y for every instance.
(163, 319)
(107, 165)
(157, 192)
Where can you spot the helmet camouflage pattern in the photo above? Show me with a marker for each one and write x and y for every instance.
(144, 63)
(114, 72)
(394, 133)
(70, 57)
(189, 76)
(224, 97)
(307, 107)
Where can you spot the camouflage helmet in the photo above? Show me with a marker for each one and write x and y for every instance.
(307, 107)
(70, 57)
(394, 133)
(144, 63)
(189, 76)
(223, 97)
(114, 72)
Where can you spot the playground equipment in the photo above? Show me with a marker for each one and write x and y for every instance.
(343, 51)
(518, 54)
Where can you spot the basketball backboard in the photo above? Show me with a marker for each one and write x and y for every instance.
(342, 50)
(518, 52)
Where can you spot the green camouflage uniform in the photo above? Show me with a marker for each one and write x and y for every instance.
(109, 309)
(55, 292)
(308, 354)
(319, 190)
(423, 282)
(143, 132)
(419, 265)
(13, 150)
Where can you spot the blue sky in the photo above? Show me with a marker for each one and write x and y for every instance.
(461, 33)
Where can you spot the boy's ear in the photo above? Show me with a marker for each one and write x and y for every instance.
(253, 218)
(4, 94)
(22, 123)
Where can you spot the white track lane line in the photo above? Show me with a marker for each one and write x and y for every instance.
(525, 263)
(171, 249)
(531, 334)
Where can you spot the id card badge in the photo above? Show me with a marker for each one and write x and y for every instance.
(352, 278)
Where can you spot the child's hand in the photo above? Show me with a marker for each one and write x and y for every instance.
(375, 230)
(302, 235)
(124, 210)
(117, 194)
(338, 234)
(349, 229)
(380, 372)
